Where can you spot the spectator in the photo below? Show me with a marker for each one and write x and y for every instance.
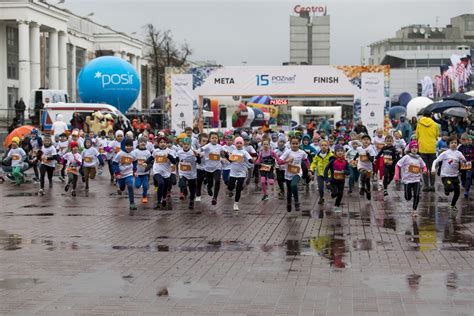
(310, 128)
(427, 132)
(13, 125)
(20, 108)
(405, 128)
(77, 122)
(360, 128)
(413, 123)
(325, 125)
(59, 126)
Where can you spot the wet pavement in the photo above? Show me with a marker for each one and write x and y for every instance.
(85, 256)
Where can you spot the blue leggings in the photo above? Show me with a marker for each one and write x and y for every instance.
(127, 181)
(142, 180)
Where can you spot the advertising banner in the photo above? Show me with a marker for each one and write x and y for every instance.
(182, 97)
(372, 100)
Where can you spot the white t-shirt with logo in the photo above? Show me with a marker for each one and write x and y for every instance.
(298, 157)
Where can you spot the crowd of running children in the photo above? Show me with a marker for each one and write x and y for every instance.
(191, 160)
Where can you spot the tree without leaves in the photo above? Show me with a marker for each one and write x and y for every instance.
(164, 52)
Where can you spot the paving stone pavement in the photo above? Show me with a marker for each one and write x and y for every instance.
(61, 255)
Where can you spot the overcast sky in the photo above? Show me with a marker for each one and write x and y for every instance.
(257, 31)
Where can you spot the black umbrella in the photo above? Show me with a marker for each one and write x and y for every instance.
(460, 97)
(439, 107)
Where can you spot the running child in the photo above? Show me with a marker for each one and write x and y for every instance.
(266, 159)
(48, 157)
(73, 161)
(143, 175)
(339, 169)
(389, 155)
(90, 157)
(187, 159)
(320, 162)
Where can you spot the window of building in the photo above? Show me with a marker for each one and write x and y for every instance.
(410, 63)
(12, 53)
(470, 25)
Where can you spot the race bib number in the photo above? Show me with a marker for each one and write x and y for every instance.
(294, 169)
(173, 168)
(117, 150)
(44, 159)
(236, 158)
(126, 160)
(265, 168)
(339, 175)
(15, 157)
(364, 158)
(353, 163)
(214, 157)
(161, 159)
(414, 169)
(388, 160)
(71, 169)
(466, 165)
(140, 162)
(184, 167)
(87, 159)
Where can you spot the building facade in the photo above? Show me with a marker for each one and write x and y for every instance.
(419, 50)
(43, 46)
(309, 38)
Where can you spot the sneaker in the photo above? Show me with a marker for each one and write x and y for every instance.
(35, 179)
(426, 189)
(209, 191)
(61, 178)
(144, 200)
(362, 191)
(288, 207)
(181, 196)
(83, 179)
(230, 194)
(86, 188)
(369, 196)
(198, 199)
(307, 187)
(214, 202)
(163, 203)
(73, 192)
(236, 206)
(432, 189)
(297, 206)
(191, 205)
(119, 192)
(337, 210)
(321, 201)
(281, 194)
(385, 192)
(466, 195)
(10, 177)
(50, 185)
(157, 206)
(414, 213)
(446, 192)
(265, 197)
(41, 192)
(350, 191)
(133, 207)
(66, 188)
(454, 210)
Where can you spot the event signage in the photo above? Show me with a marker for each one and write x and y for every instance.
(315, 10)
(182, 98)
(279, 102)
(372, 100)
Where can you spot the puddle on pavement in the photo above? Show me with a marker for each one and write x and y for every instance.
(329, 247)
(15, 194)
(9, 241)
(36, 206)
(210, 246)
(18, 283)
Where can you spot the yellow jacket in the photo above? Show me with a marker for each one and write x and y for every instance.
(320, 163)
(427, 132)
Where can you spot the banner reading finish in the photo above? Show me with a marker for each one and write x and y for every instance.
(182, 97)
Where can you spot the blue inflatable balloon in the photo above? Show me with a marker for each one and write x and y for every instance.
(404, 98)
(110, 80)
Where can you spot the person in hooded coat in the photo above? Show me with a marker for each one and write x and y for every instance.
(427, 132)
(59, 126)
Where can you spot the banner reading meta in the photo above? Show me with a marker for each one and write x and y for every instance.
(372, 100)
(182, 96)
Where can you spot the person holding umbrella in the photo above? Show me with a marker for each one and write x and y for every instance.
(427, 132)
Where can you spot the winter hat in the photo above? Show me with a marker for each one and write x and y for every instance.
(282, 138)
(73, 144)
(186, 140)
(338, 148)
(239, 140)
(413, 144)
(141, 140)
(159, 139)
(16, 140)
(118, 133)
(129, 142)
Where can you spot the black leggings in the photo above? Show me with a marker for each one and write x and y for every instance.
(201, 174)
(337, 191)
(162, 186)
(292, 189)
(281, 179)
(452, 184)
(43, 170)
(413, 189)
(214, 178)
(388, 174)
(72, 180)
(364, 180)
(111, 170)
(190, 184)
(238, 188)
